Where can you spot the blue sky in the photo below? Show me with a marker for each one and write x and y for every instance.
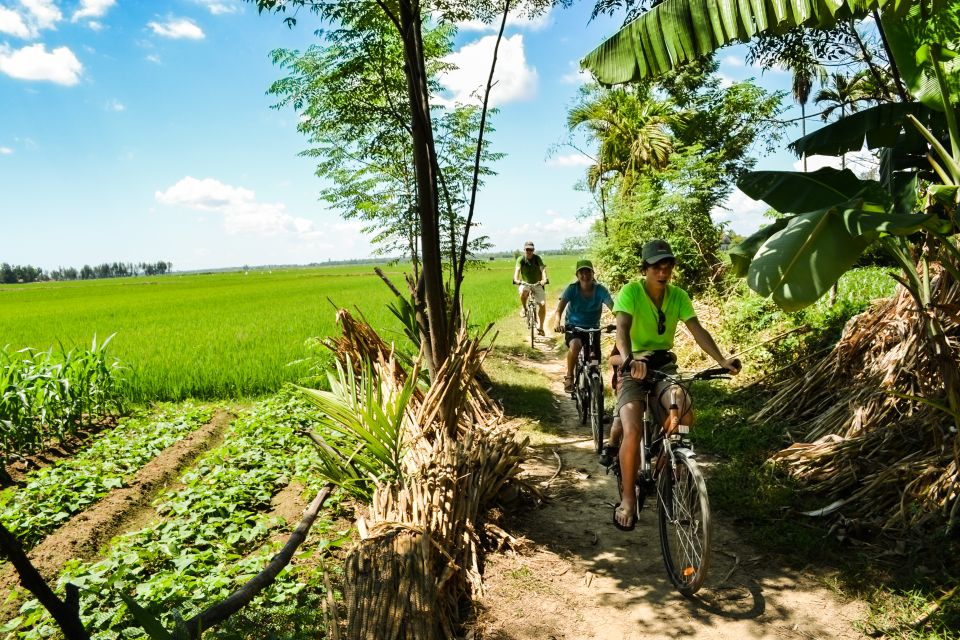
(136, 131)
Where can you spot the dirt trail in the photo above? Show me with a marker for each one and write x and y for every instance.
(123, 509)
(580, 578)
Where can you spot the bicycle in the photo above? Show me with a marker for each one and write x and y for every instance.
(587, 390)
(531, 308)
(669, 471)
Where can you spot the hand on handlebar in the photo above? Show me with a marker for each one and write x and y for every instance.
(732, 365)
(637, 370)
(558, 328)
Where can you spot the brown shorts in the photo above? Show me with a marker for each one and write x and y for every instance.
(636, 391)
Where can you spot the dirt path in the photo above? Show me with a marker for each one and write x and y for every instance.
(581, 578)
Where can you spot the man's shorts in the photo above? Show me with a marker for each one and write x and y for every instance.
(538, 293)
(632, 390)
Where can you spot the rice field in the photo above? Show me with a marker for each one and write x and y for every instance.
(225, 335)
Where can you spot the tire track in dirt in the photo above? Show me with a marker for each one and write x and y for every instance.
(577, 577)
(123, 509)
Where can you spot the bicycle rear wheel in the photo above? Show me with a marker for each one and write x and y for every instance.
(596, 412)
(683, 512)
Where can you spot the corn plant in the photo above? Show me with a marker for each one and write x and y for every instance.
(46, 395)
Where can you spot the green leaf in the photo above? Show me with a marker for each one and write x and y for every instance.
(866, 222)
(878, 126)
(797, 192)
(798, 264)
(145, 619)
(945, 194)
(741, 255)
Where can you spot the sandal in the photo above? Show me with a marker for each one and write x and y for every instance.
(624, 527)
(568, 384)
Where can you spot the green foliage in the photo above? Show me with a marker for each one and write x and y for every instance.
(360, 437)
(46, 395)
(53, 495)
(213, 537)
(222, 335)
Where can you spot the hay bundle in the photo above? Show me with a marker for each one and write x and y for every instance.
(419, 555)
(876, 441)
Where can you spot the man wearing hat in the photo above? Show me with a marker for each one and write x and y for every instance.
(648, 312)
(583, 301)
(531, 270)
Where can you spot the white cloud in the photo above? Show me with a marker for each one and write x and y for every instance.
(549, 232)
(35, 63)
(743, 213)
(177, 28)
(575, 75)
(95, 25)
(115, 105)
(12, 23)
(92, 9)
(219, 7)
(570, 160)
(242, 213)
(5, 151)
(514, 79)
(733, 61)
(154, 58)
(531, 23)
(725, 80)
(43, 13)
(863, 163)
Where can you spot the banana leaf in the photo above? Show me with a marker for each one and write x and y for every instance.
(741, 254)
(879, 126)
(800, 263)
(681, 22)
(914, 60)
(797, 192)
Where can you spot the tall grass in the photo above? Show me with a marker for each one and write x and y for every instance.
(227, 334)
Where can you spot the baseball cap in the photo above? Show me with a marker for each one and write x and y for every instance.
(584, 264)
(528, 245)
(655, 251)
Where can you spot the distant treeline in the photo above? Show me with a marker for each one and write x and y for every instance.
(12, 274)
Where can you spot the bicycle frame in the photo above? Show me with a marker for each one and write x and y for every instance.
(588, 381)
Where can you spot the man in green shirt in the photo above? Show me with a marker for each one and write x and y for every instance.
(648, 312)
(532, 272)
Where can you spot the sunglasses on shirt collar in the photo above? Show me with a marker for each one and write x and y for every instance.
(661, 322)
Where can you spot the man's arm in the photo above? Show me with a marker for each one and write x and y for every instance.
(638, 368)
(516, 274)
(543, 276)
(706, 342)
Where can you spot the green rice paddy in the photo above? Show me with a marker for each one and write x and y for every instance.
(232, 334)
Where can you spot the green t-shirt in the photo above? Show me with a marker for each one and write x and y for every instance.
(531, 271)
(633, 299)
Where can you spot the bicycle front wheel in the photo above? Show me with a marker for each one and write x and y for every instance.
(532, 322)
(596, 412)
(683, 512)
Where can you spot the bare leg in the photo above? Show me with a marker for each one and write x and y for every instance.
(523, 301)
(543, 315)
(572, 354)
(631, 416)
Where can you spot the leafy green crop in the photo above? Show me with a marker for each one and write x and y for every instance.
(213, 536)
(54, 494)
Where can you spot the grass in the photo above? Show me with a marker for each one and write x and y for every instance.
(223, 335)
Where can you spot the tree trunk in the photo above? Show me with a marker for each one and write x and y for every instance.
(425, 162)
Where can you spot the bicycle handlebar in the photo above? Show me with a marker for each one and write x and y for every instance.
(606, 329)
(715, 373)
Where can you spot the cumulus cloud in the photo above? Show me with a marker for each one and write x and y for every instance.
(242, 213)
(219, 7)
(5, 151)
(549, 232)
(116, 105)
(863, 163)
(575, 75)
(92, 9)
(733, 61)
(34, 62)
(12, 23)
(43, 13)
(570, 160)
(515, 80)
(177, 28)
(530, 23)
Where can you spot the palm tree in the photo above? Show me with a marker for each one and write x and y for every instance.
(633, 131)
(842, 92)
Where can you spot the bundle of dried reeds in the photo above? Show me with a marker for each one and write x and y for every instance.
(876, 439)
(419, 555)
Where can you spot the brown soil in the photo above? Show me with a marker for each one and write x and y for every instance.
(576, 577)
(123, 509)
(16, 471)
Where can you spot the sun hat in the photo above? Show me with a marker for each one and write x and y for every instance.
(655, 251)
(528, 245)
(583, 264)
